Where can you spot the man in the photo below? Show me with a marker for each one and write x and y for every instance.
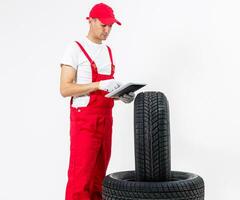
(87, 75)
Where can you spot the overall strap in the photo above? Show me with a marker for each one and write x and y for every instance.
(85, 53)
(110, 54)
(112, 65)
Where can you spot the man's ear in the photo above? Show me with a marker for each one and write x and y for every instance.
(89, 20)
(92, 20)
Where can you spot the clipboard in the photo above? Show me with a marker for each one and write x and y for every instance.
(125, 89)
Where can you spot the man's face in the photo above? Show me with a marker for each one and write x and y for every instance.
(99, 30)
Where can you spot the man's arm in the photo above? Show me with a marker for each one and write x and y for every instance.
(68, 87)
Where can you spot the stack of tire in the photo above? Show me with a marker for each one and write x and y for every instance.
(152, 178)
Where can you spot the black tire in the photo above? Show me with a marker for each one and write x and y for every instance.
(152, 137)
(182, 186)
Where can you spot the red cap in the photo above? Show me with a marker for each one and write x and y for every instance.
(104, 13)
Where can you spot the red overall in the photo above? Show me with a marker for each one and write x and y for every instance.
(90, 141)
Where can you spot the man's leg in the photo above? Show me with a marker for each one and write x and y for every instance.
(99, 174)
(85, 145)
(102, 159)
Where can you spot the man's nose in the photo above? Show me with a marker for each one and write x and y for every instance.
(108, 29)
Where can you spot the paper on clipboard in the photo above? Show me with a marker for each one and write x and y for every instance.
(125, 89)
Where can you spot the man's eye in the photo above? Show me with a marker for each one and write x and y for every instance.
(105, 25)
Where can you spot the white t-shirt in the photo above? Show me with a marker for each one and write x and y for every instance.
(74, 57)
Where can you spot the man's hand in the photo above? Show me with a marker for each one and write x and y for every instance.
(127, 98)
(109, 85)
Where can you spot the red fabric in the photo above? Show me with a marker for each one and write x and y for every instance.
(104, 13)
(90, 141)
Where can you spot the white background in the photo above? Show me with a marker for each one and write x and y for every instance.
(187, 49)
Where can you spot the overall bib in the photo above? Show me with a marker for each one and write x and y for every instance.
(90, 140)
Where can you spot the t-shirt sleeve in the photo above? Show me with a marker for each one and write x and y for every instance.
(70, 56)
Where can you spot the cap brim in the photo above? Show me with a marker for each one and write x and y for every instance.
(109, 21)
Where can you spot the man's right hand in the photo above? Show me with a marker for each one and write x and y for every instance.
(109, 85)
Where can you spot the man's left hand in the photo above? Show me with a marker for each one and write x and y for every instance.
(127, 98)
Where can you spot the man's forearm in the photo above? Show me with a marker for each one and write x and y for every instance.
(74, 89)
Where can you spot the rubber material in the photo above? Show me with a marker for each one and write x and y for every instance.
(182, 186)
(152, 137)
